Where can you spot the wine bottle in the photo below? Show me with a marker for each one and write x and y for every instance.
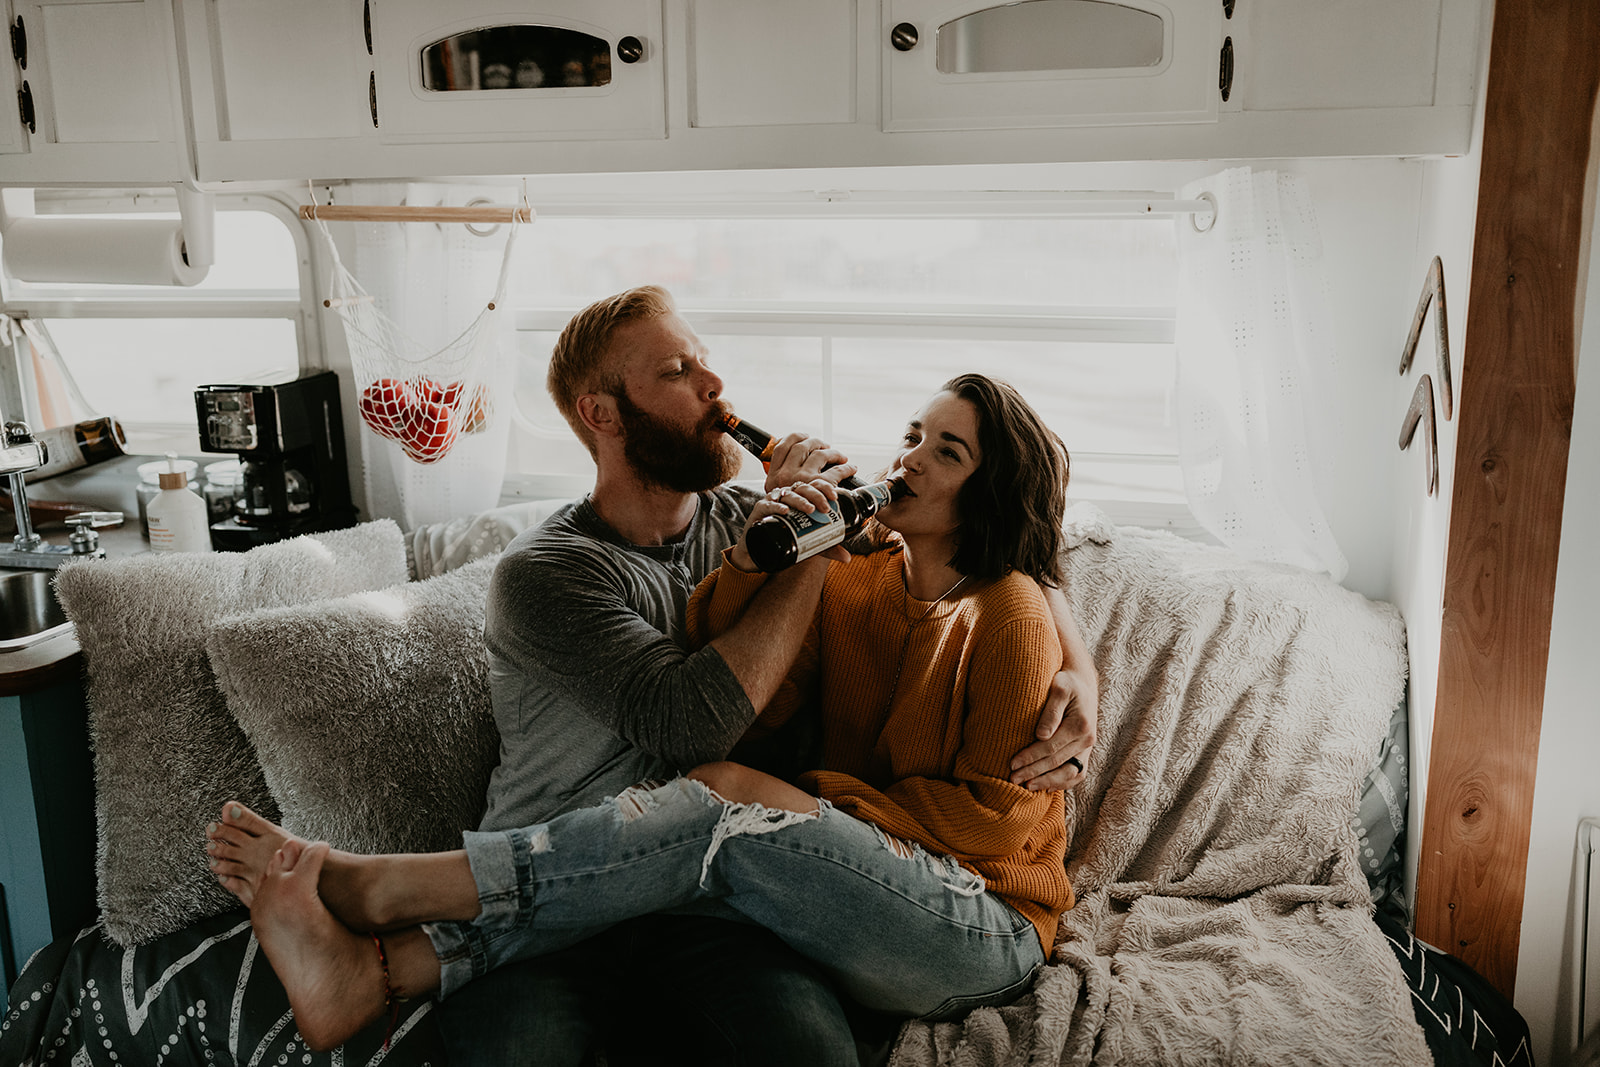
(78, 445)
(759, 443)
(780, 541)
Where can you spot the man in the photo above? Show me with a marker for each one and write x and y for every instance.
(594, 691)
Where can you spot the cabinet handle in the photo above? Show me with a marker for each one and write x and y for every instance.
(1227, 9)
(1225, 72)
(372, 95)
(903, 37)
(19, 43)
(25, 106)
(630, 49)
(366, 23)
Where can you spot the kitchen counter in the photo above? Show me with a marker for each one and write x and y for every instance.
(24, 670)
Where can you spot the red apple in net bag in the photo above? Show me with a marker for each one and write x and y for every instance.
(446, 393)
(426, 431)
(382, 404)
(476, 415)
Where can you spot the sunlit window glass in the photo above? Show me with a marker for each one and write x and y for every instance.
(845, 326)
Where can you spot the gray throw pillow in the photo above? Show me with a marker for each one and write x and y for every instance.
(167, 752)
(381, 739)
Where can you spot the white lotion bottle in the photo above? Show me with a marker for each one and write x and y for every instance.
(179, 521)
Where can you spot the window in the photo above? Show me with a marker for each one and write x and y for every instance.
(138, 351)
(845, 325)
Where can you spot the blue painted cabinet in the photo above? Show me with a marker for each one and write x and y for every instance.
(47, 829)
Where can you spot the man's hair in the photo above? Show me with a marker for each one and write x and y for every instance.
(1011, 506)
(579, 363)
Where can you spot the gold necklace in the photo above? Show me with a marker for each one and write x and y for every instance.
(905, 646)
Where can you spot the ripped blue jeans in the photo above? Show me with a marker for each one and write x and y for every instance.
(901, 929)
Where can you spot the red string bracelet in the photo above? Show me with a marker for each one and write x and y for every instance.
(388, 993)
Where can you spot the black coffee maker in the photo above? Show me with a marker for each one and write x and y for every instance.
(290, 442)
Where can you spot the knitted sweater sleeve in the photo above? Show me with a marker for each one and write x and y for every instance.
(975, 813)
(717, 605)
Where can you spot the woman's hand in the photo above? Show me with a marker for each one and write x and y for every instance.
(798, 458)
(804, 497)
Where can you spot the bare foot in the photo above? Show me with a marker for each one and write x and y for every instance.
(241, 846)
(331, 973)
(363, 892)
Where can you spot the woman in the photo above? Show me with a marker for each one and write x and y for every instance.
(911, 867)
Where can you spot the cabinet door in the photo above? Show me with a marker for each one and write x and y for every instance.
(99, 71)
(553, 70)
(772, 64)
(289, 69)
(1353, 54)
(977, 64)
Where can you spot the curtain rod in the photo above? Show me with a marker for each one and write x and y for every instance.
(484, 213)
(873, 204)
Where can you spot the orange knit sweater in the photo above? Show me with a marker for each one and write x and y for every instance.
(933, 766)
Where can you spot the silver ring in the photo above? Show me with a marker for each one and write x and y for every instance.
(1076, 762)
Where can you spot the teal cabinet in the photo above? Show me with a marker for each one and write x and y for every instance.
(47, 829)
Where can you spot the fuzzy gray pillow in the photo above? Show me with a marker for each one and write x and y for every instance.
(381, 739)
(167, 752)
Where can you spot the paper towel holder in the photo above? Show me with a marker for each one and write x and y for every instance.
(198, 210)
(196, 227)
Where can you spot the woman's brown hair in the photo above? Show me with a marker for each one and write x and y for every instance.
(1011, 506)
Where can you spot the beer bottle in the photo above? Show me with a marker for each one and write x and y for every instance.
(759, 443)
(780, 541)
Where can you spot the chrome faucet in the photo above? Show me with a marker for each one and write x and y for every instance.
(19, 454)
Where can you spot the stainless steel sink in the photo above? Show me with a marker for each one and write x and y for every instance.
(29, 612)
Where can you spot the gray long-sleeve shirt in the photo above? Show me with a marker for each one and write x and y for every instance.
(593, 686)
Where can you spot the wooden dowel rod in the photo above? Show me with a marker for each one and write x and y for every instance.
(401, 213)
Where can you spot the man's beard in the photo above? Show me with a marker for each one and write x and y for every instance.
(669, 457)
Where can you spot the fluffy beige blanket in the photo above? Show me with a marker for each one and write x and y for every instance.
(1222, 913)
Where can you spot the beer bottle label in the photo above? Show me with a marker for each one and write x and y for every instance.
(816, 532)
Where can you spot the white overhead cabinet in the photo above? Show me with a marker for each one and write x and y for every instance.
(474, 70)
(1358, 77)
(98, 92)
(286, 70)
(753, 64)
(278, 88)
(297, 89)
(969, 65)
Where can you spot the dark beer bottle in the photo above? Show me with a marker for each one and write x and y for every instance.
(759, 443)
(780, 541)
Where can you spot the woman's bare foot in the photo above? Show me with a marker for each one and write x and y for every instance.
(363, 892)
(331, 973)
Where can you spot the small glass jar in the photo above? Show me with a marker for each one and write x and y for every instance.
(224, 484)
(150, 484)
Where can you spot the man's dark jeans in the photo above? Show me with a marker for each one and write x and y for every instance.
(658, 990)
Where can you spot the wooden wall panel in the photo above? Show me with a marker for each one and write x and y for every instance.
(1517, 382)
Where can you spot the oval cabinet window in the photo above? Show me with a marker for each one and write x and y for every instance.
(516, 57)
(1051, 35)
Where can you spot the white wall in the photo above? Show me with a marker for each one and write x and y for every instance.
(1568, 786)
(1421, 523)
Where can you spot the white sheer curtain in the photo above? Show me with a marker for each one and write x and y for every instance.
(1257, 437)
(433, 280)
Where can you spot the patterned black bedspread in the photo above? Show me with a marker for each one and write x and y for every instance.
(204, 996)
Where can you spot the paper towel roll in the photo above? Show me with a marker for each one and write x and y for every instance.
(120, 251)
